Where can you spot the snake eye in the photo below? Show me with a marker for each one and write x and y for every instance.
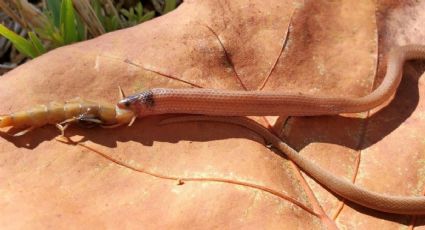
(124, 104)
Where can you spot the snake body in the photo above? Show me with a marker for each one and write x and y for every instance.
(411, 205)
(261, 103)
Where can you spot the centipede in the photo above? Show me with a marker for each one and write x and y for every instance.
(83, 112)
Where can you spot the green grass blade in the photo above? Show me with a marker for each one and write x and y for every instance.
(139, 9)
(54, 7)
(125, 12)
(98, 10)
(36, 43)
(81, 30)
(68, 22)
(21, 44)
(149, 15)
(169, 6)
(51, 34)
(132, 15)
(112, 23)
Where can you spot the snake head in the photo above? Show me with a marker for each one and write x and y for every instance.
(138, 102)
(129, 103)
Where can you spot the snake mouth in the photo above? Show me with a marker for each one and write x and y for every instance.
(124, 104)
(128, 102)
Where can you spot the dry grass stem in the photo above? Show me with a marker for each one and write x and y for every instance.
(88, 15)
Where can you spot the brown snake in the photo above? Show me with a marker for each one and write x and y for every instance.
(261, 103)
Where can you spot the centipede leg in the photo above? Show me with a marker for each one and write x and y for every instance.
(62, 128)
(118, 125)
(110, 126)
(121, 93)
(67, 121)
(23, 132)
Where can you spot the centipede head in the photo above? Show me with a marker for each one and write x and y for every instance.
(124, 115)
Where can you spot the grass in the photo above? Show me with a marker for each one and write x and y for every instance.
(61, 22)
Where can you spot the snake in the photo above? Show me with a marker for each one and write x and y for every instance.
(236, 104)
